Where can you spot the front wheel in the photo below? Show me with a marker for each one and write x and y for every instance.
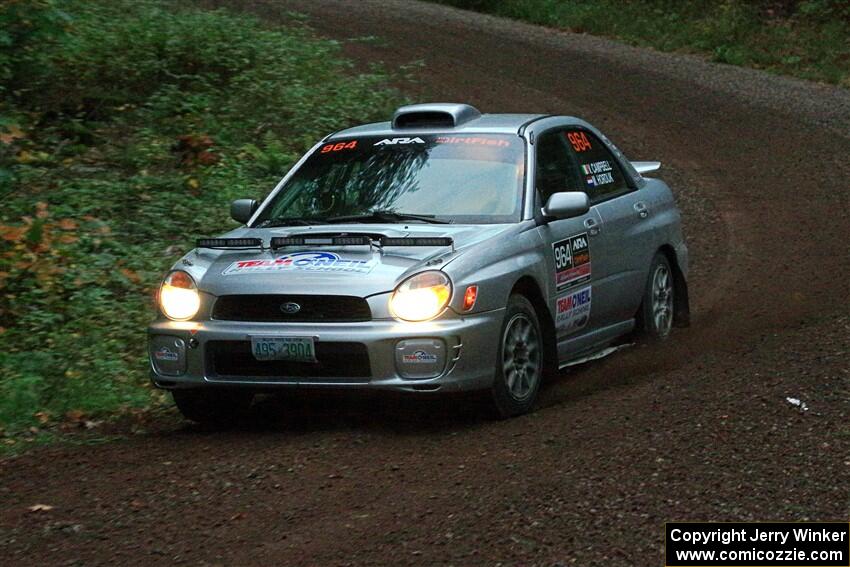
(519, 361)
(212, 407)
(657, 311)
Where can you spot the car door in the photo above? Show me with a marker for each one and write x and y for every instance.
(625, 218)
(572, 244)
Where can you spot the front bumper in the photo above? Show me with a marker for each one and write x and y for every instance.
(469, 341)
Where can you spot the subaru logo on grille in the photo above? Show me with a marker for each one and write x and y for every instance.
(290, 307)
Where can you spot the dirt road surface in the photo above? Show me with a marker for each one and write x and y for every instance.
(696, 429)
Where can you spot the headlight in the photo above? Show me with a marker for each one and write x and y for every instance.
(178, 296)
(421, 297)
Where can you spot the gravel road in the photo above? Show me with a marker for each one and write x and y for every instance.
(697, 429)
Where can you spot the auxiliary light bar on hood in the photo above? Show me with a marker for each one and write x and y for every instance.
(329, 239)
(347, 239)
(229, 243)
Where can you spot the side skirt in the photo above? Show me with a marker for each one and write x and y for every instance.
(589, 344)
(595, 355)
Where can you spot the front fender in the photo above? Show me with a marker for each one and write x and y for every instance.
(495, 266)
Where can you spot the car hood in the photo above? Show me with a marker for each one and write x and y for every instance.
(329, 270)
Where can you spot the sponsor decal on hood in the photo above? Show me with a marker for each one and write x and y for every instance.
(304, 261)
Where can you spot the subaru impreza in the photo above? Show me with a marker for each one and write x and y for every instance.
(444, 250)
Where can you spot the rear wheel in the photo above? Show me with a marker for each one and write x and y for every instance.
(212, 407)
(519, 361)
(655, 318)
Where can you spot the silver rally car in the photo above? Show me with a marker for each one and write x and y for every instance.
(445, 250)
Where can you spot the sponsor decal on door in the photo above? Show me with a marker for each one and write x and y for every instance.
(572, 310)
(572, 261)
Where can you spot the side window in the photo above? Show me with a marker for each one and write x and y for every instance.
(600, 171)
(557, 169)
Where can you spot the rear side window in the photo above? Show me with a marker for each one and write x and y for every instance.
(600, 173)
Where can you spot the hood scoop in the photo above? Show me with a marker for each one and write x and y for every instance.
(434, 115)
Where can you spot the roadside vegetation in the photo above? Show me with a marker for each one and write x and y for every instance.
(809, 39)
(126, 127)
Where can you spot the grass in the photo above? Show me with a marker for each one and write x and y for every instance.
(809, 39)
(126, 127)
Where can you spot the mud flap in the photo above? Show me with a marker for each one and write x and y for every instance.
(682, 304)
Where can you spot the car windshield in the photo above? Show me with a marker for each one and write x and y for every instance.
(438, 178)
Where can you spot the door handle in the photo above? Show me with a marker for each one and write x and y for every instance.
(642, 211)
(592, 226)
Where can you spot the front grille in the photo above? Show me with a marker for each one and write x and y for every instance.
(313, 308)
(334, 360)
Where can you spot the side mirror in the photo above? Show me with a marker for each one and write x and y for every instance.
(566, 205)
(241, 210)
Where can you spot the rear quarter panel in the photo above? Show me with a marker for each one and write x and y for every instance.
(666, 218)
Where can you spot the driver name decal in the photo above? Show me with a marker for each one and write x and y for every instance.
(572, 261)
(598, 173)
(303, 261)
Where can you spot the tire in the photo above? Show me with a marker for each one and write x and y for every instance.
(657, 310)
(213, 407)
(519, 361)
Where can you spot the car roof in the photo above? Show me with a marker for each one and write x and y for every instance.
(445, 118)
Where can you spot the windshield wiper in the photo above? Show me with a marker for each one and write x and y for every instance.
(387, 216)
(284, 221)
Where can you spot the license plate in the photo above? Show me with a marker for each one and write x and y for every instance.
(294, 349)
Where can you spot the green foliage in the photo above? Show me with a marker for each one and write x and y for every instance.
(124, 139)
(25, 25)
(808, 39)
